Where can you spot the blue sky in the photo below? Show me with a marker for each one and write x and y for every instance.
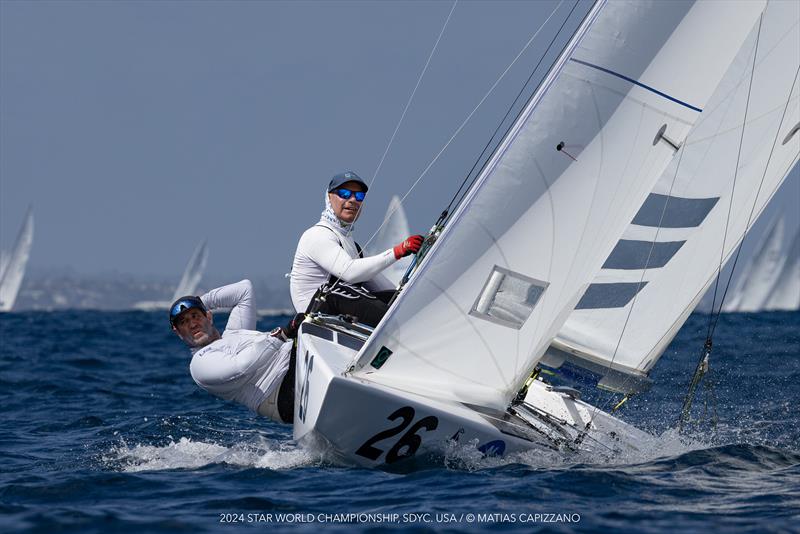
(137, 129)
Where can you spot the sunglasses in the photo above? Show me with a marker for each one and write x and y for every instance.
(346, 194)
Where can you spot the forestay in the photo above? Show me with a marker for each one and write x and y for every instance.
(670, 253)
(539, 222)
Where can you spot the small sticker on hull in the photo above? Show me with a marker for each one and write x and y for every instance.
(380, 358)
(493, 448)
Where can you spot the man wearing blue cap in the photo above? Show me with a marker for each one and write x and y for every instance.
(241, 364)
(329, 261)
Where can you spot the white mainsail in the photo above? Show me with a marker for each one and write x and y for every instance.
(539, 222)
(761, 272)
(14, 264)
(188, 284)
(698, 212)
(785, 294)
(193, 272)
(393, 231)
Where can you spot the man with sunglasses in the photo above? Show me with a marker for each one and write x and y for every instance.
(329, 262)
(241, 364)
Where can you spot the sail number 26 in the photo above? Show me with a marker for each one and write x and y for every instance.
(407, 445)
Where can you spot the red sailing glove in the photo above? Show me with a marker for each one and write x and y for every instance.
(411, 245)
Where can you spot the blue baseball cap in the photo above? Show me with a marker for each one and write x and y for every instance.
(344, 177)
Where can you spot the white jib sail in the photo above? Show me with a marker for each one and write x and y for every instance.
(670, 253)
(17, 260)
(761, 272)
(193, 272)
(786, 293)
(393, 231)
(517, 254)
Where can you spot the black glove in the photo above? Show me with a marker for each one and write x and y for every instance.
(290, 330)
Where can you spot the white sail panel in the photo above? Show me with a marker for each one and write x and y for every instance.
(761, 272)
(193, 272)
(393, 231)
(17, 260)
(785, 294)
(547, 219)
(690, 204)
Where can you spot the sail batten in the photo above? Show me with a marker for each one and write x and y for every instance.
(549, 218)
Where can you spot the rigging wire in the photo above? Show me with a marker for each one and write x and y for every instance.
(508, 112)
(710, 331)
(397, 128)
(758, 193)
(702, 366)
(641, 279)
(469, 116)
(414, 92)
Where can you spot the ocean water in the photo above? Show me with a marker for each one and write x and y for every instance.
(103, 430)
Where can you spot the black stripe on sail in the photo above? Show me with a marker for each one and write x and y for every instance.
(630, 254)
(611, 295)
(679, 212)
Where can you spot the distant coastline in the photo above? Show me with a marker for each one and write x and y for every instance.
(121, 291)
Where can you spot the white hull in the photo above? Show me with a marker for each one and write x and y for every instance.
(373, 425)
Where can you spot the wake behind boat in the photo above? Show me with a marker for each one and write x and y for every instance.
(586, 240)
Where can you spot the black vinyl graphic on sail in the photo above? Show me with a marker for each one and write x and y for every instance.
(673, 212)
(630, 254)
(613, 295)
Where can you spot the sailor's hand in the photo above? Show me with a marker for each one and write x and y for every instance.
(290, 330)
(411, 245)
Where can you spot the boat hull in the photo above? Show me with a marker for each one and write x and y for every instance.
(365, 423)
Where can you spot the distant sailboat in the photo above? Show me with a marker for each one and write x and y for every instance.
(193, 272)
(785, 295)
(12, 265)
(394, 230)
(762, 272)
(189, 281)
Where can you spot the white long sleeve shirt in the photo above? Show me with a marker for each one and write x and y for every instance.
(324, 250)
(244, 365)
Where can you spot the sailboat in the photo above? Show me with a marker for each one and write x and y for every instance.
(759, 281)
(189, 281)
(785, 294)
(393, 230)
(12, 265)
(589, 235)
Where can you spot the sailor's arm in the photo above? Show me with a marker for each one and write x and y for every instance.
(240, 297)
(325, 251)
(217, 368)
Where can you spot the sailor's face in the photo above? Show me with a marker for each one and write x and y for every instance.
(347, 210)
(195, 328)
